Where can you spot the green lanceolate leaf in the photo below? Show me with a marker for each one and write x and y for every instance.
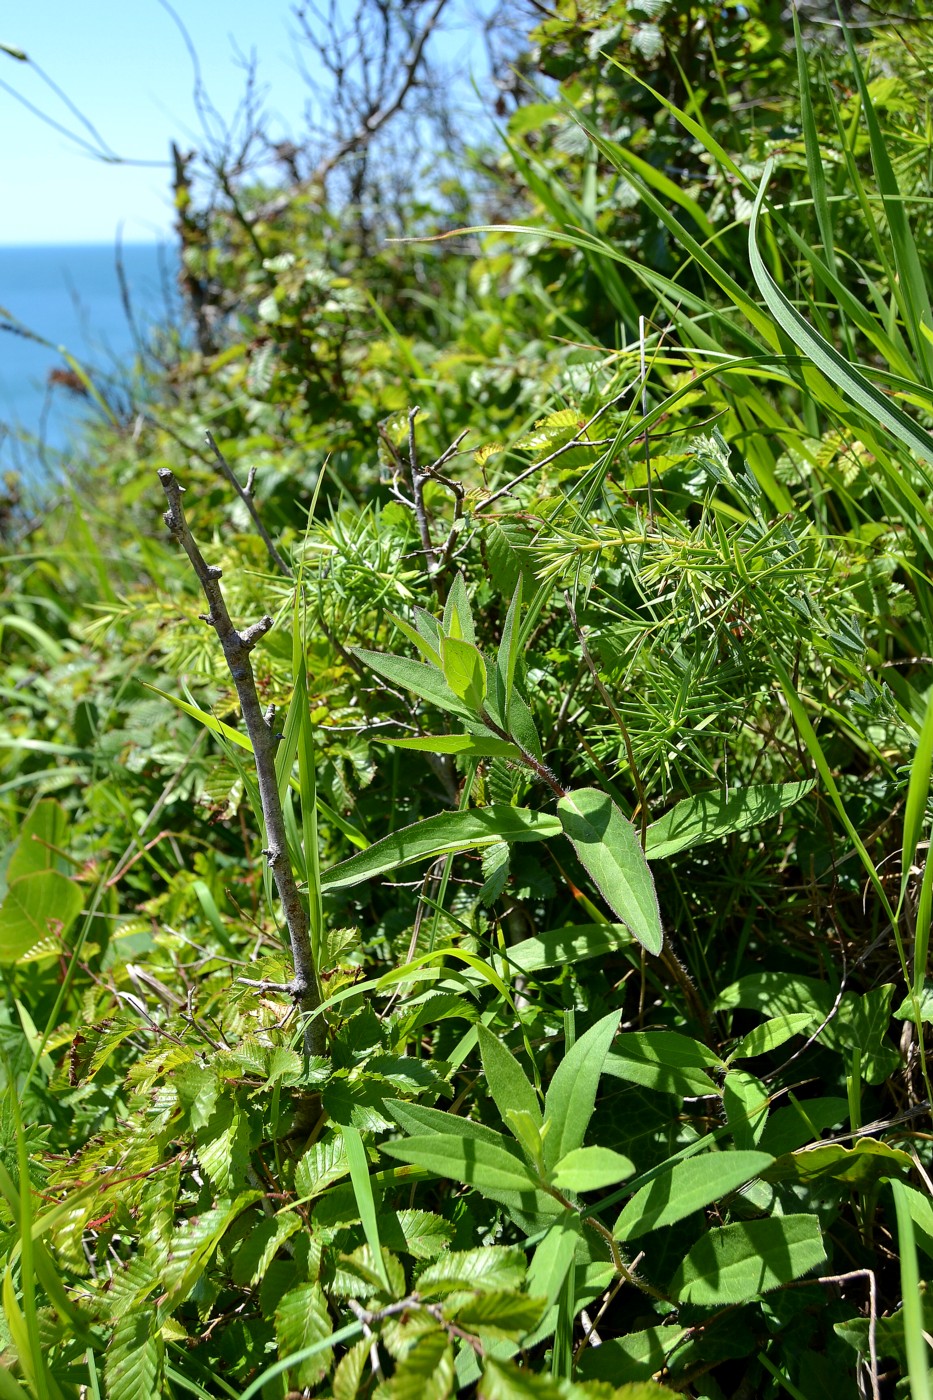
(487, 1166)
(737, 1263)
(430, 652)
(678, 1192)
(507, 1081)
(458, 615)
(507, 656)
(464, 671)
(424, 681)
(710, 815)
(466, 744)
(445, 834)
(571, 1096)
(608, 848)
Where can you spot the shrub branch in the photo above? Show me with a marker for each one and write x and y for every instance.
(237, 646)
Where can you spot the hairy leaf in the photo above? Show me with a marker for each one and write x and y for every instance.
(609, 849)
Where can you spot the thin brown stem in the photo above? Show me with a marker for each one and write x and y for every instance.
(303, 989)
(246, 496)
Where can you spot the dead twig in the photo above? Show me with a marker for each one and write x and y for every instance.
(303, 988)
(245, 494)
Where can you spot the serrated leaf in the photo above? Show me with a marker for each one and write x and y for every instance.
(301, 1319)
(503, 1380)
(133, 1367)
(323, 1164)
(571, 1095)
(497, 1314)
(591, 1169)
(349, 1373)
(609, 849)
(711, 815)
(194, 1243)
(741, 1261)
(492, 1268)
(688, 1186)
(445, 834)
(261, 1245)
(424, 1235)
(426, 1372)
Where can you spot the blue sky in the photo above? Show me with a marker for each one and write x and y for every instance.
(124, 65)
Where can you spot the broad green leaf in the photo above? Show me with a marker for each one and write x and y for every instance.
(490, 1269)
(591, 1169)
(423, 1235)
(424, 681)
(445, 834)
(571, 1095)
(301, 1320)
(42, 905)
(686, 1187)
(635, 1357)
(41, 837)
(801, 1123)
(739, 1262)
(458, 615)
(772, 1034)
(710, 815)
(777, 994)
(487, 1166)
(503, 1380)
(610, 851)
(194, 1243)
(505, 1078)
(746, 1103)
(464, 671)
(426, 1372)
(920, 1207)
(663, 1060)
(507, 655)
(135, 1357)
(471, 746)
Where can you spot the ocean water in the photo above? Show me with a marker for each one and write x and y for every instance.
(70, 296)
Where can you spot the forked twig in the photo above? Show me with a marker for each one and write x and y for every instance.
(245, 494)
(303, 988)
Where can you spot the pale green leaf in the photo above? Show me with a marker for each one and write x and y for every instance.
(772, 1034)
(492, 1268)
(426, 1372)
(424, 681)
(507, 655)
(471, 746)
(591, 1169)
(464, 671)
(41, 905)
(498, 1314)
(135, 1357)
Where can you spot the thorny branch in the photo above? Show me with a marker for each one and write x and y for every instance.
(303, 988)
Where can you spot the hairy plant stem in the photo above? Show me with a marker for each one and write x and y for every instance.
(303, 988)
